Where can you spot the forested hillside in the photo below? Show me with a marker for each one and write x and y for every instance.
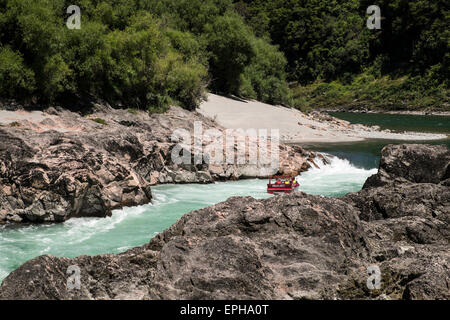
(336, 60)
(151, 53)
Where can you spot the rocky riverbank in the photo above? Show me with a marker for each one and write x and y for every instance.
(56, 164)
(295, 246)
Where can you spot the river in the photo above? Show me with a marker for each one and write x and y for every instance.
(132, 227)
(366, 154)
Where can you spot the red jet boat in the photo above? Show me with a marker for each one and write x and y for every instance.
(282, 185)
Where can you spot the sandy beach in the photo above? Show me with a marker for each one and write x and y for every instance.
(295, 126)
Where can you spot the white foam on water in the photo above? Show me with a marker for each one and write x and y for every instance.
(82, 229)
(20, 244)
(337, 178)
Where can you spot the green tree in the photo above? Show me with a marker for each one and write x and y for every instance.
(231, 50)
(16, 80)
(265, 77)
(321, 39)
(189, 15)
(414, 37)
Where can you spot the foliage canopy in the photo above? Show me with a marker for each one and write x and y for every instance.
(151, 53)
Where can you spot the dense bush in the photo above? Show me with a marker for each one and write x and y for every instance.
(230, 44)
(331, 54)
(265, 77)
(15, 78)
(137, 54)
(369, 92)
(321, 39)
(326, 40)
(239, 62)
(414, 36)
(189, 15)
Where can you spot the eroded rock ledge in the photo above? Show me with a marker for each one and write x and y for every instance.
(58, 164)
(296, 246)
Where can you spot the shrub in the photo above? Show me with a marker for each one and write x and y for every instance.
(100, 121)
(16, 80)
(265, 77)
(136, 54)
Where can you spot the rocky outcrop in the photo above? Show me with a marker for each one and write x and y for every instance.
(295, 246)
(405, 212)
(67, 165)
(405, 164)
(49, 177)
(412, 181)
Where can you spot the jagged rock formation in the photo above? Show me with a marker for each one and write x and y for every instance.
(405, 212)
(69, 165)
(405, 164)
(296, 246)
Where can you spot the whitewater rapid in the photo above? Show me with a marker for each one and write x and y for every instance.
(337, 178)
(135, 226)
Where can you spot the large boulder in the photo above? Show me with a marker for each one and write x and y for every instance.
(412, 163)
(405, 210)
(425, 200)
(50, 177)
(411, 181)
